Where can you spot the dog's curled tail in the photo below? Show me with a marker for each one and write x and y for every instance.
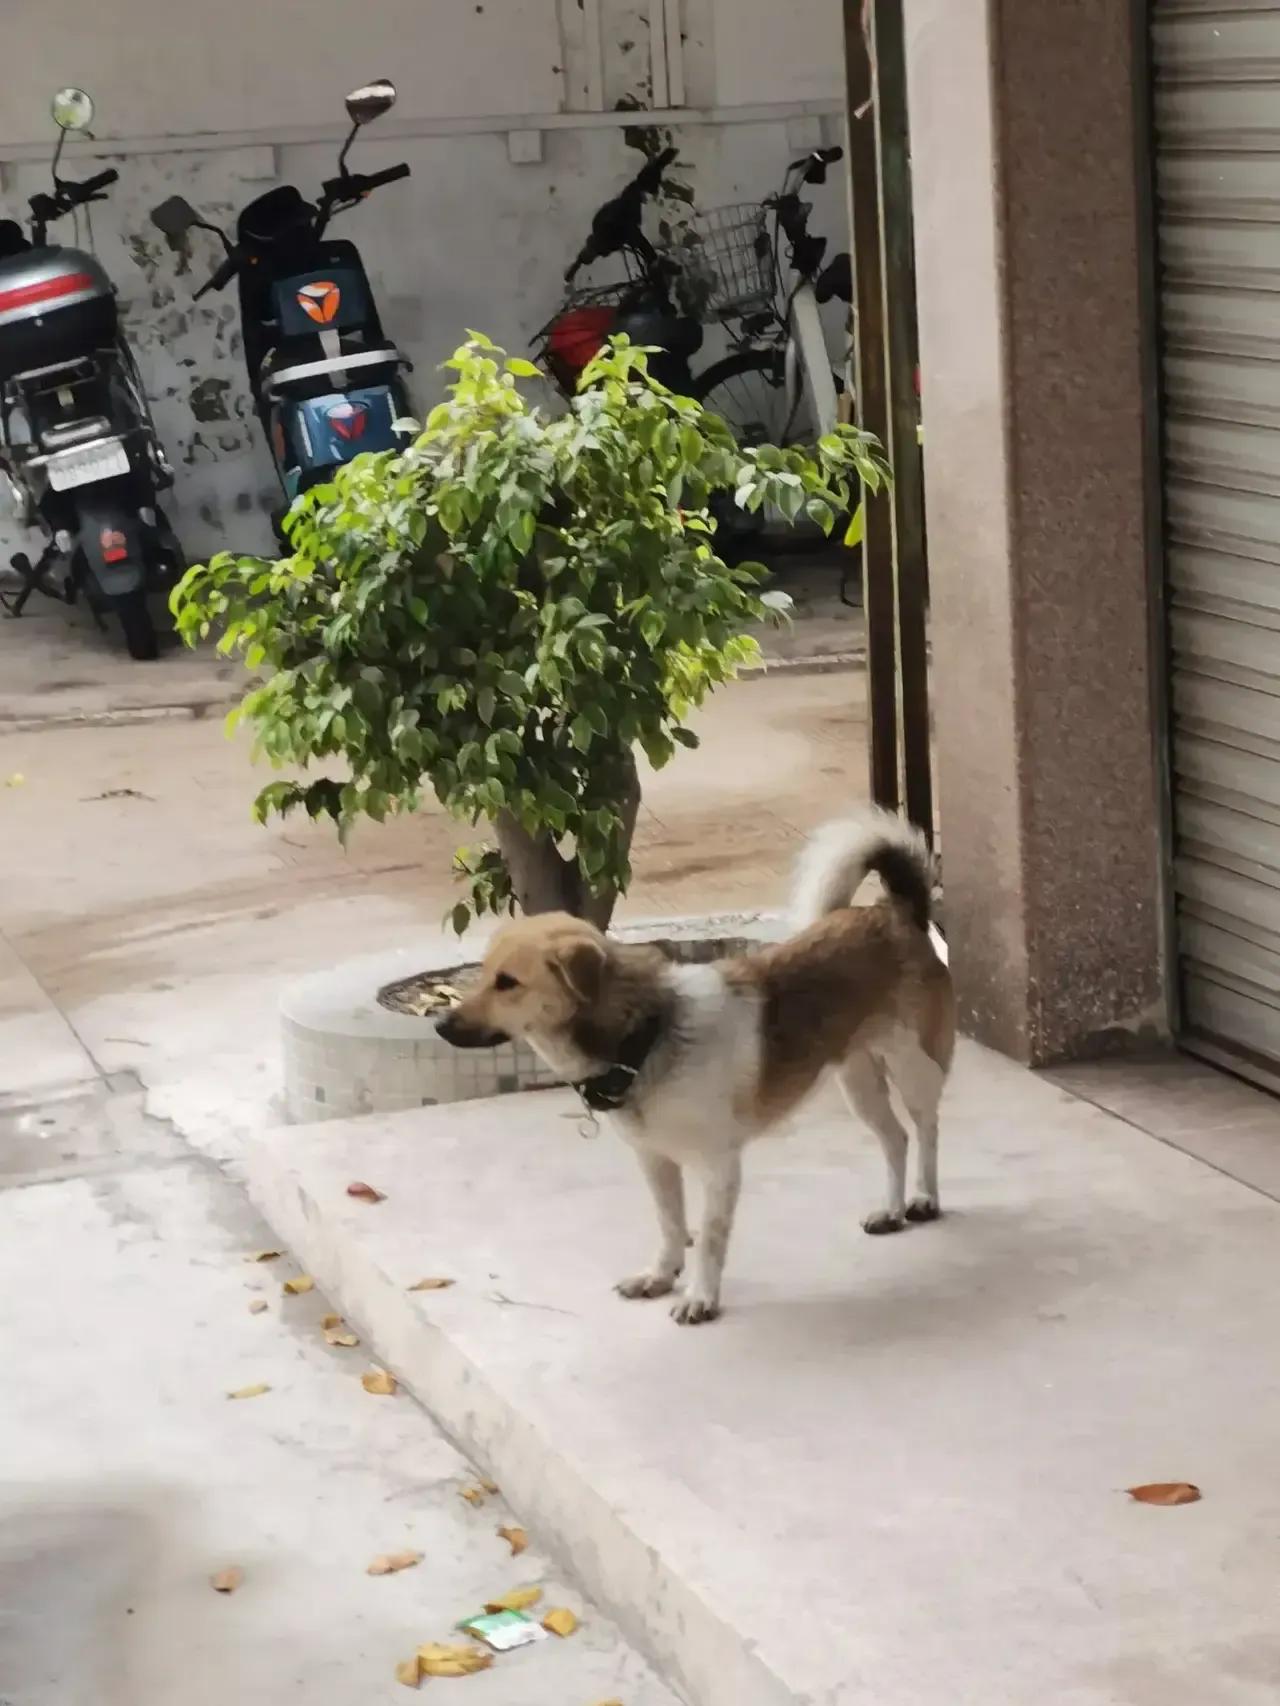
(840, 855)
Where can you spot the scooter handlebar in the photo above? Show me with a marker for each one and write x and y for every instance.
(91, 186)
(222, 277)
(375, 180)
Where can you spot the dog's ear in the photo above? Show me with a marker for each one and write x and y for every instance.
(580, 968)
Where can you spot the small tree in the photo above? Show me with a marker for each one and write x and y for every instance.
(506, 609)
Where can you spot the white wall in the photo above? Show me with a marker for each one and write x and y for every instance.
(471, 240)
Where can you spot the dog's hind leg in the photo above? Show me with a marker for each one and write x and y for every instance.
(666, 1182)
(862, 1080)
(919, 1079)
(722, 1183)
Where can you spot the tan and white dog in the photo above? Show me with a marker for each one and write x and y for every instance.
(694, 1061)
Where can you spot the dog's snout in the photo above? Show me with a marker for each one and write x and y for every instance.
(455, 1029)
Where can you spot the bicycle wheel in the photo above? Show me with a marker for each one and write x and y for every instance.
(747, 389)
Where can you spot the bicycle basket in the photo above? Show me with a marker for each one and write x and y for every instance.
(734, 245)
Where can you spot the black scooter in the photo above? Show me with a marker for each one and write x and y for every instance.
(78, 445)
(326, 382)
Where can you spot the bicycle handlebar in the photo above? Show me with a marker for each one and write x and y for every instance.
(616, 224)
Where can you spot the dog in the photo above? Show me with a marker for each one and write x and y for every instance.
(691, 1062)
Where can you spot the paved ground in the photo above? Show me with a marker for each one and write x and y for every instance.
(145, 928)
(894, 1472)
(150, 922)
(130, 1478)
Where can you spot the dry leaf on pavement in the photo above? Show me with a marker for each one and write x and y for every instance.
(379, 1382)
(519, 1599)
(439, 1660)
(228, 1580)
(409, 1672)
(295, 1287)
(334, 1337)
(516, 1538)
(489, 1486)
(254, 1391)
(365, 1193)
(431, 1285)
(1165, 1493)
(473, 1495)
(265, 1256)
(388, 1563)
(560, 1621)
(328, 1321)
(257, 1306)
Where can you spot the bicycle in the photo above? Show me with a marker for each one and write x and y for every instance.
(780, 362)
(729, 272)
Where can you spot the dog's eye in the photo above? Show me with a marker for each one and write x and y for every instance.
(504, 980)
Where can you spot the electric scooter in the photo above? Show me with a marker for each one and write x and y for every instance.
(78, 446)
(326, 382)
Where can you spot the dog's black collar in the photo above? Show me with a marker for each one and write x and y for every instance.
(605, 1092)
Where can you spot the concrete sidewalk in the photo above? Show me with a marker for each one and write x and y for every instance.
(894, 1472)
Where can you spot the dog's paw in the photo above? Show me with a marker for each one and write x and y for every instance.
(693, 1309)
(921, 1209)
(646, 1285)
(881, 1222)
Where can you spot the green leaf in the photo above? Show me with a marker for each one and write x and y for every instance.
(581, 732)
(853, 534)
(460, 918)
(485, 700)
(520, 367)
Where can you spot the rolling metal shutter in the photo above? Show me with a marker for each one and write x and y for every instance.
(1217, 113)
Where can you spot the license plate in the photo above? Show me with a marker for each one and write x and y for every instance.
(87, 463)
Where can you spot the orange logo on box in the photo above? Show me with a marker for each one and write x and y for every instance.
(320, 301)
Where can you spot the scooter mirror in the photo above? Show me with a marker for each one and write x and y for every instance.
(175, 216)
(72, 109)
(371, 100)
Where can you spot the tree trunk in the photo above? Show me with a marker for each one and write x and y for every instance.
(544, 881)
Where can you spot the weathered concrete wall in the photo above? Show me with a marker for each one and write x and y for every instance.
(471, 240)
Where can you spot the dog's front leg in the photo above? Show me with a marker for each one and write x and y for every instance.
(701, 1300)
(667, 1184)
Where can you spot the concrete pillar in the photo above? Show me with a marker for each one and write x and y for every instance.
(1027, 216)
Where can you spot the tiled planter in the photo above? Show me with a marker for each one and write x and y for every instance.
(346, 1054)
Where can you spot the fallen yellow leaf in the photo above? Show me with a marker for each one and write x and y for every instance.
(560, 1621)
(254, 1391)
(439, 1660)
(228, 1580)
(14, 781)
(296, 1287)
(346, 1340)
(388, 1563)
(409, 1672)
(519, 1599)
(257, 1306)
(516, 1538)
(379, 1382)
(431, 1285)
(473, 1495)
(327, 1321)
(265, 1256)
(489, 1486)
(1165, 1493)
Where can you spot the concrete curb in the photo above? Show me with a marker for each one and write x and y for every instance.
(669, 1622)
